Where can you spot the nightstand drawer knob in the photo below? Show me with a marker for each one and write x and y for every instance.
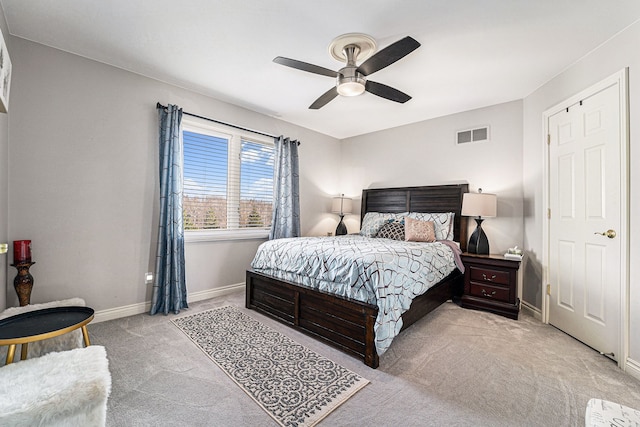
(488, 279)
(487, 294)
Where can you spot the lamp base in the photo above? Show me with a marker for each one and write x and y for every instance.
(341, 230)
(478, 242)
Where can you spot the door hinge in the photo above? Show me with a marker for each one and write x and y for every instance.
(549, 213)
(548, 139)
(548, 289)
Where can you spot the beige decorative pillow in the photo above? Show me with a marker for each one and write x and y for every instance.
(418, 231)
(442, 222)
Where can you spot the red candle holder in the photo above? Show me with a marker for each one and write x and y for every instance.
(21, 251)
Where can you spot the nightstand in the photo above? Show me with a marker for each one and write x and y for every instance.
(491, 284)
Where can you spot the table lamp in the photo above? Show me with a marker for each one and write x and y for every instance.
(479, 205)
(341, 205)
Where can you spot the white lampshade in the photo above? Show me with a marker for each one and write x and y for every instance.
(479, 204)
(341, 205)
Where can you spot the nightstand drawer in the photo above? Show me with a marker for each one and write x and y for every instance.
(486, 290)
(480, 274)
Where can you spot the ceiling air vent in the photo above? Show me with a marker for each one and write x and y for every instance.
(472, 135)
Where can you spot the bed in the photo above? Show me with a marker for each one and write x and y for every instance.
(347, 323)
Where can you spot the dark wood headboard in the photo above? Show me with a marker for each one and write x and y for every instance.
(435, 198)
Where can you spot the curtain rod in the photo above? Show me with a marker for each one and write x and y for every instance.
(158, 105)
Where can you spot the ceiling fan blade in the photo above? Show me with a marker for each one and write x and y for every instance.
(388, 55)
(324, 99)
(305, 66)
(387, 92)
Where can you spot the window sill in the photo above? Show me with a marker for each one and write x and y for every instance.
(224, 235)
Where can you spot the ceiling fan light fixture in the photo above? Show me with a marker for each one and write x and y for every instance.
(350, 82)
(351, 88)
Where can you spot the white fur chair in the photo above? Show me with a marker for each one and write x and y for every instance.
(38, 348)
(68, 388)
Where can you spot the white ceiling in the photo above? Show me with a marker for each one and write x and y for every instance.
(474, 53)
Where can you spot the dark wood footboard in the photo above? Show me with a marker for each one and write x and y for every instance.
(341, 322)
(344, 323)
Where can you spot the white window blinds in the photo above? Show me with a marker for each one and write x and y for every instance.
(228, 181)
(256, 184)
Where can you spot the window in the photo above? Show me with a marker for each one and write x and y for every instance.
(228, 182)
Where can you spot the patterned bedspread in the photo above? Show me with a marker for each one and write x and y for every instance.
(385, 272)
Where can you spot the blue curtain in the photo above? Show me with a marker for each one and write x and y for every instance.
(169, 287)
(286, 190)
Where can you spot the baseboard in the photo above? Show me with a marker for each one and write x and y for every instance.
(124, 311)
(633, 368)
(144, 307)
(531, 310)
(215, 292)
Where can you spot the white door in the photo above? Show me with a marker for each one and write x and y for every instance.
(585, 202)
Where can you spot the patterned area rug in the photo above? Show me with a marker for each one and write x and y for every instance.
(295, 385)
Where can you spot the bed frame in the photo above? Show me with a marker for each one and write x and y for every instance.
(346, 323)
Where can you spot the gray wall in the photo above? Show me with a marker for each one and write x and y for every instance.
(425, 153)
(4, 180)
(618, 53)
(83, 179)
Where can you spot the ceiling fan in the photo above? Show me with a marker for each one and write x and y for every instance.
(351, 80)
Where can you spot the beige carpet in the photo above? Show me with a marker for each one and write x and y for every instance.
(455, 367)
(480, 369)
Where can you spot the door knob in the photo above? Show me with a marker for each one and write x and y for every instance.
(609, 233)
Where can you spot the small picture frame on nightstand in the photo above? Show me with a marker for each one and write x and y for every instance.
(514, 253)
